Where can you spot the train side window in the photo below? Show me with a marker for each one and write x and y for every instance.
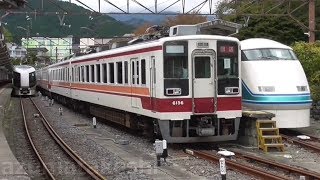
(68, 74)
(104, 73)
(72, 75)
(111, 72)
(78, 74)
(133, 72)
(87, 73)
(143, 71)
(126, 72)
(138, 72)
(82, 73)
(92, 73)
(119, 72)
(98, 73)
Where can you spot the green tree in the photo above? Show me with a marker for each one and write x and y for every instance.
(7, 35)
(309, 56)
(279, 28)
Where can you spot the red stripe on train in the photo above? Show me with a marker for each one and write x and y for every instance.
(203, 105)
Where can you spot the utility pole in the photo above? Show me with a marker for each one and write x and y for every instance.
(312, 36)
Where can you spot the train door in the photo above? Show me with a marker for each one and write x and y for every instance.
(134, 64)
(204, 94)
(153, 83)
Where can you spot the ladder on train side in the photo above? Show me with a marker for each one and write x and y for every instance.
(268, 135)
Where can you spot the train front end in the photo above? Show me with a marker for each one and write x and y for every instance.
(24, 81)
(201, 93)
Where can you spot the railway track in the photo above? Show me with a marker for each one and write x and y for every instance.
(313, 143)
(257, 172)
(76, 158)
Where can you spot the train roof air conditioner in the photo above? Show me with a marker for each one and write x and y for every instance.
(182, 30)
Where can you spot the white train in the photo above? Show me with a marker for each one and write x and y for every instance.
(274, 80)
(185, 88)
(24, 80)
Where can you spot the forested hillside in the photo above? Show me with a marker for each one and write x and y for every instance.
(49, 25)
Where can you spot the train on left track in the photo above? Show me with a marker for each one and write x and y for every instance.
(24, 80)
(183, 88)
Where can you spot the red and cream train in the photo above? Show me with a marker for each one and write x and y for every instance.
(185, 88)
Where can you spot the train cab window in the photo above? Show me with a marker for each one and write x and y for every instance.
(104, 73)
(111, 72)
(126, 72)
(98, 73)
(269, 54)
(176, 68)
(87, 73)
(119, 72)
(32, 79)
(143, 71)
(92, 73)
(202, 67)
(227, 66)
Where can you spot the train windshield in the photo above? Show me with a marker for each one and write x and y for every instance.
(175, 68)
(268, 54)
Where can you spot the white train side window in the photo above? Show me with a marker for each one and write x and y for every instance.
(126, 72)
(104, 73)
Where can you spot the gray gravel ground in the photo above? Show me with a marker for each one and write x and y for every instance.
(73, 125)
(104, 161)
(58, 162)
(18, 142)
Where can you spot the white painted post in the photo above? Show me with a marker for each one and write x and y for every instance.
(223, 170)
(94, 122)
(165, 150)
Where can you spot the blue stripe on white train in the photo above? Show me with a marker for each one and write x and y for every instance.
(301, 100)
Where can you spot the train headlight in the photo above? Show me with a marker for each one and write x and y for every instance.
(231, 90)
(266, 88)
(302, 88)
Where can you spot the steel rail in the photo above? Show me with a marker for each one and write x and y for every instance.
(311, 174)
(299, 142)
(236, 166)
(32, 144)
(85, 166)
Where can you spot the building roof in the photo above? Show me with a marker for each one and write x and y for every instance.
(42, 49)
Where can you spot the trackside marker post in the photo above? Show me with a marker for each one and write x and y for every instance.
(223, 170)
(165, 150)
(60, 111)
(94, 122)
(159, 150)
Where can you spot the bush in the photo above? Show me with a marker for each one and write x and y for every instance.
(309, 56)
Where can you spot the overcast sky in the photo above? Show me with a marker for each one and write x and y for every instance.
(134, 7)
